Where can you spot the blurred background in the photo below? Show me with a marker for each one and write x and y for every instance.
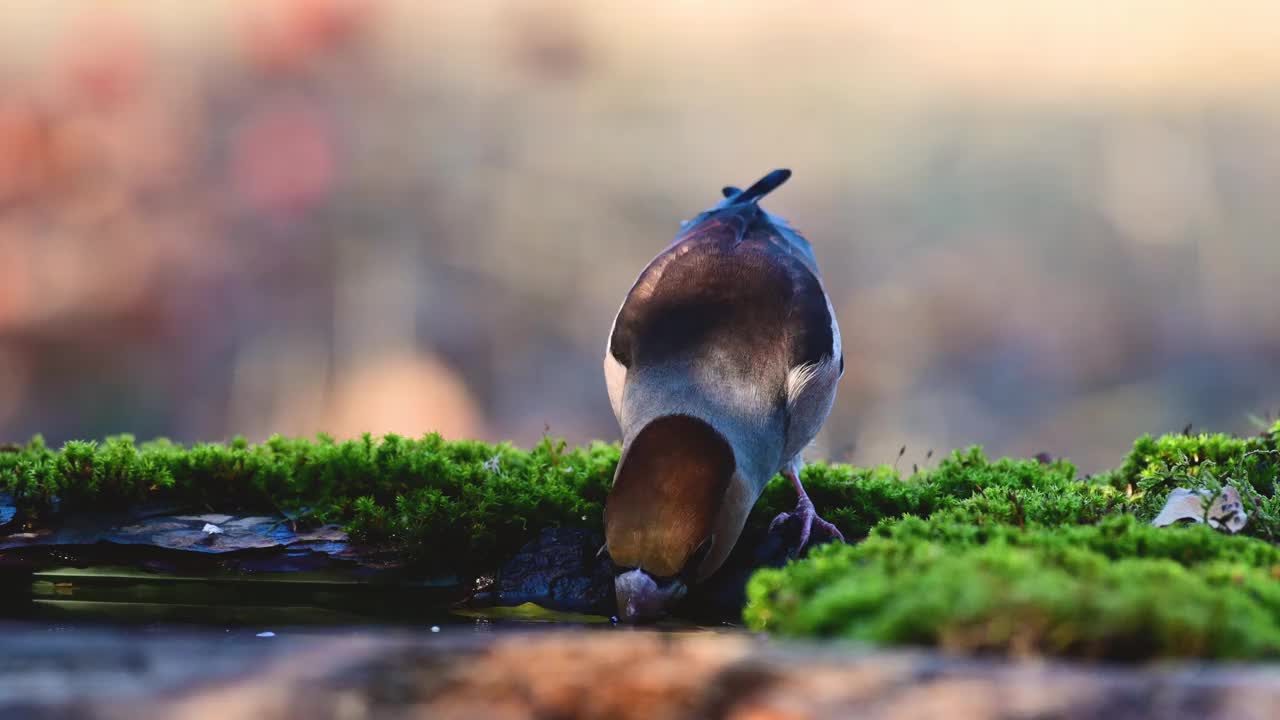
(1045, 226)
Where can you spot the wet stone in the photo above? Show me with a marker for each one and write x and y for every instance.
(561, 569)
(8, 512)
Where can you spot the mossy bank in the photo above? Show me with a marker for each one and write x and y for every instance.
(972, 554)
(1014, 557)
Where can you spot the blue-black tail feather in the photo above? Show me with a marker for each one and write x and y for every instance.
(762, 187)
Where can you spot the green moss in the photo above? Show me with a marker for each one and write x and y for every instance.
(481, 501)
(966, 485)
(1120, 591)
(855, 499)
(1116, 537)
(466, 501)
(1015, 557)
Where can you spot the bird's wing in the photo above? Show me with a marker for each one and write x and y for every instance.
(811, 391)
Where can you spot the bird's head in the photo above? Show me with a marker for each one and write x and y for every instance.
(663, 513)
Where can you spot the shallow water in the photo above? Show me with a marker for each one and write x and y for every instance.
(66, 598)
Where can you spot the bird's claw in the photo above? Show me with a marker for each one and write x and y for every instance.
(808, 518)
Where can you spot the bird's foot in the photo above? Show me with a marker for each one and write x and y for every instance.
(808, 518)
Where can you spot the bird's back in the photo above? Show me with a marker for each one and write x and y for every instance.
(732, 296)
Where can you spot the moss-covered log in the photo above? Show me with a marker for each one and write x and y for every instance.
(974, 554)
(467, 504)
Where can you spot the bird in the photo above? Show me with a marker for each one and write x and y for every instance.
(721, 366)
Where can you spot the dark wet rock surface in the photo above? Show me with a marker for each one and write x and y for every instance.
(722, 597)
(153, 539)
(8, 512)
(562, 569)
(203, 533)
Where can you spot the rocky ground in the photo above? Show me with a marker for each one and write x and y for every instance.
(461, 673)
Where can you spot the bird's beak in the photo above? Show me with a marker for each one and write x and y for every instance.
(640, 597)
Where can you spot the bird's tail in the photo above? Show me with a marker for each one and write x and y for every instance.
(759, 189)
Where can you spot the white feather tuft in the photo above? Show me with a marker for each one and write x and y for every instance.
(798, 379)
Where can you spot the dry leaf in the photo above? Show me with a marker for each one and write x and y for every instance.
(1226, 512)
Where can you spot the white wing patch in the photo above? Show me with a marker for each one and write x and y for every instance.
(615, 378)
(798, 379)
(615, 373)
(811, 390)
